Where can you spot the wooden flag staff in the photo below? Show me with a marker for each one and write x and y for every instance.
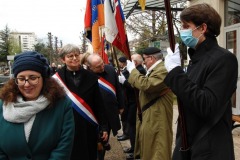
(185, 147)
(115, 57)
(170, 25)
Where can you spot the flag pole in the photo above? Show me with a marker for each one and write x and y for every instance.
(115, 56)
(170, 25)
(184, 146)
(112, 55)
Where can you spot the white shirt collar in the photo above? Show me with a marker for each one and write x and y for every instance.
(153, 66)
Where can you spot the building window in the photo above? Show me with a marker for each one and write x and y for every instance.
(232, 12)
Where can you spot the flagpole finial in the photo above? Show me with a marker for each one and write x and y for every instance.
(142, 3)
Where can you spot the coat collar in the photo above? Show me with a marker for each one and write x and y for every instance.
(202, 49)
(87, 80)
(156, 67)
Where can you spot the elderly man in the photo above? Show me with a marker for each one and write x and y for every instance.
(154, 132)
(111, 92)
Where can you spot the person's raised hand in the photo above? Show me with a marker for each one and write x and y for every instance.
(130, 66)
(172, 60)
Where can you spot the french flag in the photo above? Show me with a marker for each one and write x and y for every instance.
(114, 26)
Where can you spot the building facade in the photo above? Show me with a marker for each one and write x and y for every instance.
(26, 40)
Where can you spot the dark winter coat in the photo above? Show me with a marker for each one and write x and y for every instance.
(204, 90)
(112, 103)
(131, 94)
(85, 84)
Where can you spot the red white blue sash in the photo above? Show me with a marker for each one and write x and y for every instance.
(104, 84)
(77, 102)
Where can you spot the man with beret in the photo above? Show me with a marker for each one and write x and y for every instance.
(154, 132)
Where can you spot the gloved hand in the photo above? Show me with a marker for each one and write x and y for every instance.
(121, 78)
(130, 66)
(172, 60)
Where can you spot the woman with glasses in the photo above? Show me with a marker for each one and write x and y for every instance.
(89, 113)
(36, 118)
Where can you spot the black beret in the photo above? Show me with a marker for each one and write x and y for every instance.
(151, 50)
(31, 60)
(122, 59)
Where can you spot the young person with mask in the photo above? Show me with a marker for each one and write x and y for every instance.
(204, 92)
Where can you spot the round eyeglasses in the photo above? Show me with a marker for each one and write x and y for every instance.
(32, 80)
(71, 56)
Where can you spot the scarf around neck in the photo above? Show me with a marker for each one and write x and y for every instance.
(24, 112)
(21, 111)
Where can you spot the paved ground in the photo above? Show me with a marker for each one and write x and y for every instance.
(116, 153)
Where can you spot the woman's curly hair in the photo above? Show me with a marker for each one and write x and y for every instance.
(51, 90)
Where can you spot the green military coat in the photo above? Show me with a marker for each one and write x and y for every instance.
(154, 135)
(51, 137)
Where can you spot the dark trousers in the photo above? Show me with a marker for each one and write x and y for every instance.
(101, 154)
(125, 128)
(132, 135)
(132, 111)
(125, 124)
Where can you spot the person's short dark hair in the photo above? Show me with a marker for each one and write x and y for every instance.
(151, 51)
(203, 13)
(122, 59)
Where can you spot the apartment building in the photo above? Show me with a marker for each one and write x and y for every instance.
(26, 40)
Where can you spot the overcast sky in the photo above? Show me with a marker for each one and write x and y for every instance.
(63, 18)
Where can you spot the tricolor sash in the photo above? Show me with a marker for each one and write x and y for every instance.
(105, 85)
(77, 102)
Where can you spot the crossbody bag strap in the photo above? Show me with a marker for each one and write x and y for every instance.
(149, 104)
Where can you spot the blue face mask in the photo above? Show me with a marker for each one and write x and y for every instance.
(188, 39)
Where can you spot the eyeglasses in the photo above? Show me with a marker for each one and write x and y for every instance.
(71, 56)
(32, 80)
(145, 57)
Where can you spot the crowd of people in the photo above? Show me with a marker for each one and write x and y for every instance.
(69, 112)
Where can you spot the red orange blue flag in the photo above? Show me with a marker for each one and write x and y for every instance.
(94, 19)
